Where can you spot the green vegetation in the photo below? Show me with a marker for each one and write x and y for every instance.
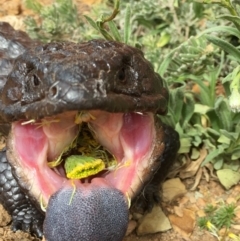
(193, 45)
(57, 22)
(217, 218)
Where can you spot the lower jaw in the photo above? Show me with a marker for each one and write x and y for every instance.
(41, 182)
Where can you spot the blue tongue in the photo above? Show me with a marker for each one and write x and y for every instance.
(100, 214)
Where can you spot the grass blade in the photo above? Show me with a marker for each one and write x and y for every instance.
(227, 47)
(127, 26)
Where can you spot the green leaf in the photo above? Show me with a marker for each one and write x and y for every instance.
(233, 165)
(228, 178)
(91, 22)
(105, 34)
(218, 164)
(205, 95)
(213, 132)
(212, 155)
(235, 154)
(224, 139)
(185, 145)
(192, 131)
(187, 109)
(163, 40)
(127, 24)
(201, 109)
(117, 4)
(209, 144)
(114, 30)
(176, 103)
(233, 19)
(179, 129)
(33, 5)
(198, 9)
(168, 119)
(224, 29)
(214, 120)
(233, 136)
(195, 153)
(165, 64)
(224, 114)
(227, 47)
(197, 141)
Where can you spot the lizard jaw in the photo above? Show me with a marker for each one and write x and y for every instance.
(128, 137)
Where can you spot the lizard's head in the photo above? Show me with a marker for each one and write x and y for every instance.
(53, 94)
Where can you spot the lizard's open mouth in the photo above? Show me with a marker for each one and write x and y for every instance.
(43, 149)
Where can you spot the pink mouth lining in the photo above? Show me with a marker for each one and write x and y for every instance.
(127, 136)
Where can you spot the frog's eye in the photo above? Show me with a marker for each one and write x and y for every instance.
(78, 167)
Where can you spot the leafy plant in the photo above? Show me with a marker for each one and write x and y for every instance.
(230, 49)
(59, 21)
(112, 33)
(203, 118)
(217, 218)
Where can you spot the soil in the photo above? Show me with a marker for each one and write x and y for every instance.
(184, 227)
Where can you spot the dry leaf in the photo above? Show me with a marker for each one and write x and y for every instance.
(193, 167)
(197, 179)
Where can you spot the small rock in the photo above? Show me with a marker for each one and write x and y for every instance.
(178, 211)
(172, 189)
(185, 224)
(16, 21)
(201, 203)
(153, 222)
(231, 200)
(235, 226)
(5, 218)
(10, 7)
(201, 213)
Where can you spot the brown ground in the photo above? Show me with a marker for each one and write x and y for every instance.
(183, 211)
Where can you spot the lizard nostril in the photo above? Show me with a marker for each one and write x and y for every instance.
(122, 75)
(35, 80)
(53, 91)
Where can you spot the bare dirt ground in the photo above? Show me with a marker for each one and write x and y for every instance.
(182, 211)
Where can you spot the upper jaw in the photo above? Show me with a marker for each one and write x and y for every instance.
(69, 98)
(132, 138)
(59, 77)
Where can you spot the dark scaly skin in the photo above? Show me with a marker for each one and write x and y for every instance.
(12, 44)
(25, 216)
(28, 94)
(58, 77)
